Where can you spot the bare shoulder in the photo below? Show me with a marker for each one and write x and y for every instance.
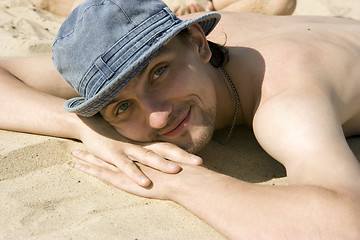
(309, 98)
(301, 129)
(321, 60)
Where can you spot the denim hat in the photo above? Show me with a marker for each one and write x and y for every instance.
(103, 44)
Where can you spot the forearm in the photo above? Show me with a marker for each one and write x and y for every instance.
(38, 73)
(25, 109)
(242, 210)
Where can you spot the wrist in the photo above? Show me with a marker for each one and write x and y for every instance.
(98, 127)
(94, 124)
(188, 183)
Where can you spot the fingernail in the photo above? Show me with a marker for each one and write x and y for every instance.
(76, 152)
(172, 165)
(143, 180)
(195, 159)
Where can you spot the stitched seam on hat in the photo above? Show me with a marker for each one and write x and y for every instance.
(128, 18)
(131, 39)
(115, 63)
(90, 73)
(94, 89)
(167, 9)
(129, 35)
(107, 75)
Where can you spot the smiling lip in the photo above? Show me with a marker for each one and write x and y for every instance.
(178, 126)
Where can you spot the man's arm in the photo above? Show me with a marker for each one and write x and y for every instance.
(241, 210)
(31, 97)
(322, 200)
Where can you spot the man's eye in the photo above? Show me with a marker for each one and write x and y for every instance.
(122, 107)
(158, 72)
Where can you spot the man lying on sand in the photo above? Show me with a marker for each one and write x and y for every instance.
(275, 7)
(159, 84)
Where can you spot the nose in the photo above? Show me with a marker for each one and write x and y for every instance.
(158, 119)
(158, 113)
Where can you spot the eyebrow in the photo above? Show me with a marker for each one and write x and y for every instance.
(162, 51)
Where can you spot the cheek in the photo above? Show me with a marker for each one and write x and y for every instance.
(188, 80)
(134, 130)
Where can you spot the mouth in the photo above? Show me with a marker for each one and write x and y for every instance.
(177, 126)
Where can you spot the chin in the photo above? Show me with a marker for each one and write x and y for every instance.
(197, 140)
(200, 133)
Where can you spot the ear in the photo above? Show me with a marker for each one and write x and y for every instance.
(199, 41)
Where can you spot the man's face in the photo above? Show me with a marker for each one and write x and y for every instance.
(171, 100)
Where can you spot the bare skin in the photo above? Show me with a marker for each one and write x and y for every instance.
(274, 7)
(298, 82)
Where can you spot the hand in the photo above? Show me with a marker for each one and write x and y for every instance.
(164, 186)
(115, 176)
(105, 144)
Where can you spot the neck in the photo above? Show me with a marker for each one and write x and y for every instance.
(246, 70)
(237, 104)
(228, 104)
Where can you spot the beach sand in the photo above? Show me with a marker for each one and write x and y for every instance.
(43, 197)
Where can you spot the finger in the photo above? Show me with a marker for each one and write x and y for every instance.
(93, 170)
(93, 160)
(152, 159)
(129, 168)
(191, 7)
(123, 163)
(194, 7)
(121, 181)
(182, 11)
(117, 179)
(174, 153)
(198, 8)
(176, 9)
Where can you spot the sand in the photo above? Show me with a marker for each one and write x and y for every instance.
(43, 197)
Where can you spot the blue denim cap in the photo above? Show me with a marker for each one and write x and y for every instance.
(103, 44)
